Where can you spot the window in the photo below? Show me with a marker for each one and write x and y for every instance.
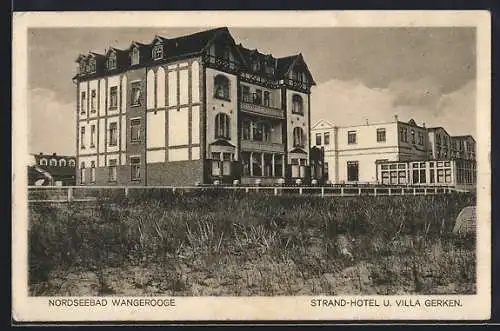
(135, 130)
(440, 175)
(413, 136)
(157, 52)
(351, 137)
(256, 65)
(112, 61)
(418, 173)
(222, 124)
(295, 165)
(113, 97)
(112, 170)
(403, 135)
(257, 97)
(266, 98)
(269, 68)
(82, 137)
(327, 138)
(92, 136)
(71, 163)
(246, 94)
(221, 87)
(43, 162)
(53, 162)
(245, 161)
(92, 66)
(135, 56)
(246, 125)
(113, 134)
(83, 103)
(256, 164)
(221, 164)
(261, 131)
(318, 139)
(447, 173)
(135, 99)
(62, 162)
(135, 168)
(325, 170)
(420, 138)
(93, 101)
(298, 137)
(82, 172)
(380, 135)
(297, 104)
(92, 171)
(352, 171)
(278, 165)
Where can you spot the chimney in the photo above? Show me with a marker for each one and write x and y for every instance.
(366, 121)
(423, 125)
(40, 153)
(395, 118)
(53, 154)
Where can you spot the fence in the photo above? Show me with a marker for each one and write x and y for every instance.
(94, 193)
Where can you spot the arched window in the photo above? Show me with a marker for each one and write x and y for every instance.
(221, 87)
(43, 162)
(222, 126)
(62, 162)
(53, 162)
(112, 61)
(297, 104)
(135, 56)
(72, 163)
(298, 137)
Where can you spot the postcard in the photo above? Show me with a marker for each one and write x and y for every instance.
(236, 166)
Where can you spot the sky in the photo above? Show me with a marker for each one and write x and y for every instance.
(362, 74)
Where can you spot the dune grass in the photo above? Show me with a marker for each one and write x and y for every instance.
(235, 243)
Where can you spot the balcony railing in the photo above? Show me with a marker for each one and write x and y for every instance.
(262, 146)
(221, 63)
(259, 109)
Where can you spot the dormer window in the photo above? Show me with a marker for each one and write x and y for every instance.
(256, 65)
(269, 69)
(112, 61)
(81, 68)
(158, 52)
(92, 66)
(135, 56)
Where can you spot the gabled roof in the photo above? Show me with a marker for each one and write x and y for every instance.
(221, 142)
(298, 150)
(191, 44)
(137, 44)
(284, 64)
(322, 124)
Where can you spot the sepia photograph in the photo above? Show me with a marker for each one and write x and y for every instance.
(335, 165)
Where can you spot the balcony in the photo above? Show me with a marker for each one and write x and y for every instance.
(262, 146)
(258, 109)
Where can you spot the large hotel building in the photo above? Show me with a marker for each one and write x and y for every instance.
(193, 109)
(395, 153)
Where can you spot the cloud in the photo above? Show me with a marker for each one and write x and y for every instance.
(352, 102)
(424, 91)
(51, 123)
(457, 110)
